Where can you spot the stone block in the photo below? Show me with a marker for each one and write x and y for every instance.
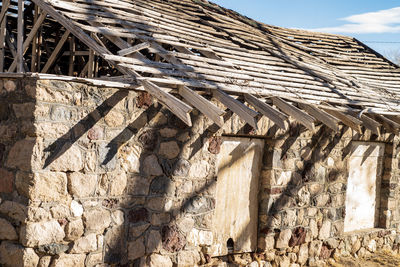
(118, 183)
(136, 249)
(93, 259)
(7, 231)
(156, 260)
(266, 243)
(199, 169)
(43, 186)
(74, 230)
(21, 155)
(14, 255)
(114, 118)
(302, 256)
(81, 185)
(283, 239)
(325, 231)
(14, 210)
(162, 185)
(130, 158)
(10, 86)
(153, 242)
(73, 260)
(85, 244)
(70, 159)
(6, 181)
(169, 150)
(158, 219)
(188, 258)
(41, 233)
(97, 220)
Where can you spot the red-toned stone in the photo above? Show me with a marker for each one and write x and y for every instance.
(6, 181)
(215, 144)
(96, 133)
(298, 237)
(144, 100)
(172, 240)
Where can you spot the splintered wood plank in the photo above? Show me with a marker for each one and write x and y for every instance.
(55, 53)
(29, 39)
(206, 107)
(322, 116)
(20, 37)
(296, 113)
(133, 49)
(244, 112)
(390, 125)
(274, 115)
(348, 120)
(178, 107)
(369, 123)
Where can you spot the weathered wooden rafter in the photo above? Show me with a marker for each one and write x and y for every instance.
(173, 56)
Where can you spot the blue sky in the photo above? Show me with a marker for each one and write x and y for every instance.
(367, 20)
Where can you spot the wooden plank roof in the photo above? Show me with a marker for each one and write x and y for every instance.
(173, 46)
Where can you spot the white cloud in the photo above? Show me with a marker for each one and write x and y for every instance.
(383, 21)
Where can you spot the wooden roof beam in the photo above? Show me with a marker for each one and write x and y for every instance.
(4, 8)
(296, 113)
(347, 120)
(369, 123)
(321, 115)
(176, 106)
(244, 112)
(203, 105)
(390, 125)
(29, 39)
(280, 119)
(56, 52)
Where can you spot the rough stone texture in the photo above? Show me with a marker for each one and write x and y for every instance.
(48, 186)
(156, 260)
(85, 244)
(170, 150)
(136, 249)
(283, 240)
(7, 231)
(81, 185)
(6, 181)
(41, 233)
(76, 260)
(70, 161)
(13, 255)
(89, 177)
(97, 220)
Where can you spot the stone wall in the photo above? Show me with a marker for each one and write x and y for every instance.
(93, 176)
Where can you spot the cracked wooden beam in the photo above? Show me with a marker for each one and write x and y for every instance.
(280, 119)
(244, 112)
(296, 113)
(368, 122)
(203, 105)
(347, 120)
(321, 115)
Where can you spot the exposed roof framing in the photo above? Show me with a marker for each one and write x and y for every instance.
(184, 51)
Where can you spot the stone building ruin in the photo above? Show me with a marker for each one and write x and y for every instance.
(179, 133)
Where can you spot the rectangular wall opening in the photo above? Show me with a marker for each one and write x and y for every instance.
(363, 186)
(236, 214)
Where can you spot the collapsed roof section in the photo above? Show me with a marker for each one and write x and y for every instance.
(183, 52)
